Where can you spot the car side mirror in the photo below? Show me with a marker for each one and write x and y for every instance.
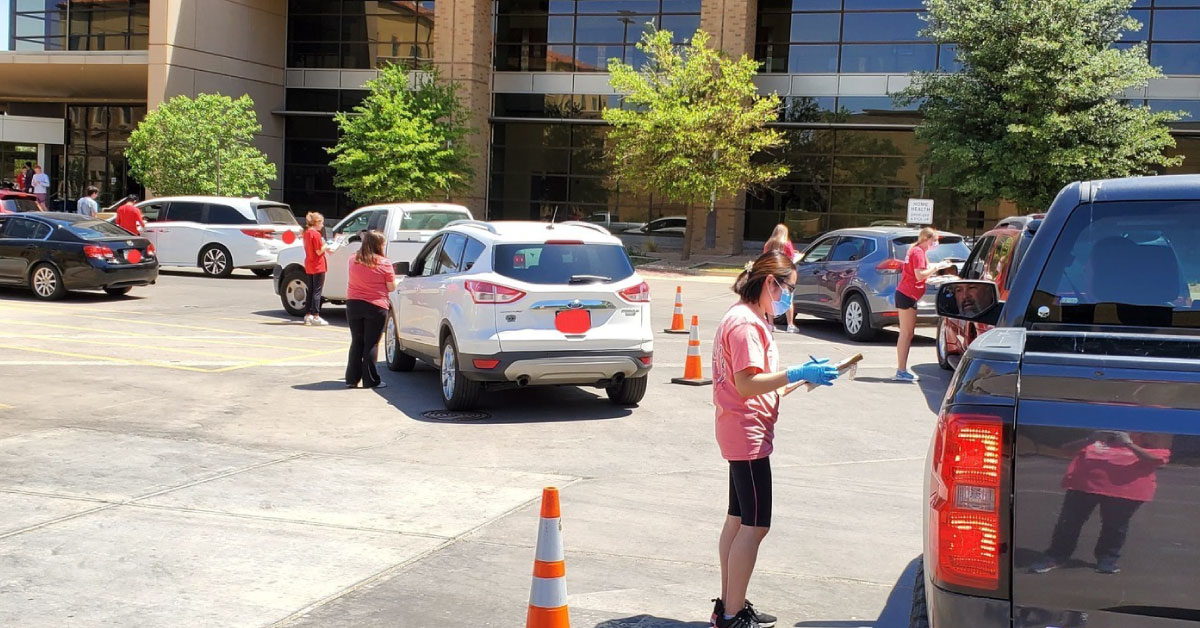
(401, 268)
(970, 300)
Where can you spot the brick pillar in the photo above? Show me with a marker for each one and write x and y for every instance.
(732, 25)
(462, 50)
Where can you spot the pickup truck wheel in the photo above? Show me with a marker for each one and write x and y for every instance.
(942, 358)
(458, 392)
(216, 261)
(294, 292)
(397, 360)
(629, 392)
(856, 319)
(261, 272)
(918, 617)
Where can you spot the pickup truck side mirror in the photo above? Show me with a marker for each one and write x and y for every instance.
(970, 300)
(401, 268)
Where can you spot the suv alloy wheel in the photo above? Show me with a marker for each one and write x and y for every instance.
(397, 360)
(458, 392)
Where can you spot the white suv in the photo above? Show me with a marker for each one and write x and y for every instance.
(507, 304)
(219, 233)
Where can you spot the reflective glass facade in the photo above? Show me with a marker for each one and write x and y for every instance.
(97, 137)
(359, 34)
(79, 25)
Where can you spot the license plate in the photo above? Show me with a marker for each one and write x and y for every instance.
(573, 321)
(133, 256)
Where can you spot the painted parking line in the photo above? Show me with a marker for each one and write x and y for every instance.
(221, 339)
(103, 358)
(126, 345)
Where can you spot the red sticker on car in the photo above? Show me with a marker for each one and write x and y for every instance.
(289, 237)
(133, 256)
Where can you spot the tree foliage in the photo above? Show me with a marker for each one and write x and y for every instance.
(402, 143)
(692, 124)
(1036, 103)
(200, 146)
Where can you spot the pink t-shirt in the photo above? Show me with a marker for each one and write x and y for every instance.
(1115, 471)
(745, 427)
(370, 284)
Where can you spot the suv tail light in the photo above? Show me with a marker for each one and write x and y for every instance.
(890, 266)
(265, 234)
(966, 500)
(637, 294)
(487, 293)
(100, 252)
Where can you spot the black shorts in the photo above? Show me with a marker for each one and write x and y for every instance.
(905, 302)
(750, 491)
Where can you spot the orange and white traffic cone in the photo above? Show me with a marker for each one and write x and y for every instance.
(693, 369)
(677, 318)
(548, 596)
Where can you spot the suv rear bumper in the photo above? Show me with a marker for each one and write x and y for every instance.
(956, 610)
(542, 368)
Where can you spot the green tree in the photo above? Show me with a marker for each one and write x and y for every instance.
(1036, 103)
(693, 124)
(404, 143)
(200, 146)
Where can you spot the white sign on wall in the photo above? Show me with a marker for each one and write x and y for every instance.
(920, 211)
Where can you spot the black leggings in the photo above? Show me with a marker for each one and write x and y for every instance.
(750, 491)
(316, 284)
(366, 322)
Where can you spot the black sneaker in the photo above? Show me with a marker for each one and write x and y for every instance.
(718, 611)
(763, 619)
(741, 620)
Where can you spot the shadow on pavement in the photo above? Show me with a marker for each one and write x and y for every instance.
(895, 611)
(335, 316)
(76, 296)
(934, 382)
(831, 331)
(333, 384)
(650, 621)
(237, 275)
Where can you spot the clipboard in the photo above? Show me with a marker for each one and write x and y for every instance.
(846, 368)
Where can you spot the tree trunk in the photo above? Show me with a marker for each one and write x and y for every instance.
(689, 229)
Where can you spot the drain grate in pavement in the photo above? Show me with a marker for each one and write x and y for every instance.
(451, 415)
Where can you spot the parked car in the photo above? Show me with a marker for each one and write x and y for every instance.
(14, 202)
(668, 226)
(509, 304)
(994, 258)
(850, 275)
(406, 227)
(218, 234)
(612, 222)
(1061, 483)
(52, 252)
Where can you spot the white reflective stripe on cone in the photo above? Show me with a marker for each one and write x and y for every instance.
(548, 592)
(693, 351)
(549, 541)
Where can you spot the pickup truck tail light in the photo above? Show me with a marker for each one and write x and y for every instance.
(487, 293)
(966, 501)
(890, 266)
(637, 294)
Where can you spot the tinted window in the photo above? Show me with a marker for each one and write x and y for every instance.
(428, 262)
(997, 265)
(378, 220)
(96, 229)
(190, 212)
(223, 215)
(274, 215)
(558, 263)
(1124, 264)
(18, 205)
(20, 228)
(450, 258)
(948, 247)
(152, 211)
(852, 249)
(471, 255)
(818, 252)
(894, 58)
(431, 221)
(881, 27)
(973, 269)
(354, 224)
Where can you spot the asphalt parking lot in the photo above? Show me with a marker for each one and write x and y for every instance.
(188, 456)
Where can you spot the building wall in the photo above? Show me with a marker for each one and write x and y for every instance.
(231, 47)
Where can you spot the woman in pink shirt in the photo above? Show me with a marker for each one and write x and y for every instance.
(746, 393)
(367, 308)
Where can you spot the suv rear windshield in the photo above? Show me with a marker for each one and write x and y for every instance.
(948, 247)
(96, 229)
(18, 205)
(274, 215)
(559, 263)
(1132, 263)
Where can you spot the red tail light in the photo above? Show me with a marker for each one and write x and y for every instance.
(646, 359)
(966, 501)
(637, 294)
(485, 364)
(892, 265)
(487, 293)
(150, 250)
(100, 252)
(265, 234)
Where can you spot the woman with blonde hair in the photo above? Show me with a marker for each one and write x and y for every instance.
(781, 241)
(314, 266)
(367, 308)
(912, 287)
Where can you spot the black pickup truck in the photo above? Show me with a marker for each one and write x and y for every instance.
(1063, 480)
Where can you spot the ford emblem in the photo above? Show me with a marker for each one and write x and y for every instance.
(575, 305)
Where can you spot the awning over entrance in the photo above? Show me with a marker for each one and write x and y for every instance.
(74, 77)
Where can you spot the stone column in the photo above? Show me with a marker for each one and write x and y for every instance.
(462, 50)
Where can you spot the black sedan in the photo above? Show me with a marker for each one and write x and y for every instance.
(52, 252)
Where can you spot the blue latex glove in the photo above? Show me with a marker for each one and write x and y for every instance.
(815, 371)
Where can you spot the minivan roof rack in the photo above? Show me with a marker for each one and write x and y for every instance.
(587, 225)
(478, 224)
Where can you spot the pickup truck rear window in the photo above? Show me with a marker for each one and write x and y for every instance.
(1125, 264)
(563, 263)
(430, 221)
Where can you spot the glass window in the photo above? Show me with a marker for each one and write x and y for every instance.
(185, 212)
(353, 224)
(23, 229)
(274, 215)
(471, 253)
(851, 249)
(96, 230)
(947, 58)
(866, 5)
(559, 263)
(812, 59)
(18, 205)
(450, 257)
(815, 27)
(1096, 273)
(428, 262)
(1181, 25)
(1176, 58)
(882, 27)
(1142, 16)
(997, 264)
(818, 252)
(890, 58)
(1169, 3)
(977, 261)
(948, 247)
(225, 215)
(152, 211)
(430, 221)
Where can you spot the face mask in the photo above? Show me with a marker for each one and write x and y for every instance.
(780, 306)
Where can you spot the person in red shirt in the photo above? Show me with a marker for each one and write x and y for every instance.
(912, 287)
(314, 266)
(781, 241)
(129, 217)
(371, 279)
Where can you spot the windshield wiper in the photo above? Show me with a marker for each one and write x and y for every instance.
(588, 279)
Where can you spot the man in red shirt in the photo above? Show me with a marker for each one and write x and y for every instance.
(129, 217)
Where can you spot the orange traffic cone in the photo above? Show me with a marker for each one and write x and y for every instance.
(677, 318)
(548, 596)
(693, 370)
